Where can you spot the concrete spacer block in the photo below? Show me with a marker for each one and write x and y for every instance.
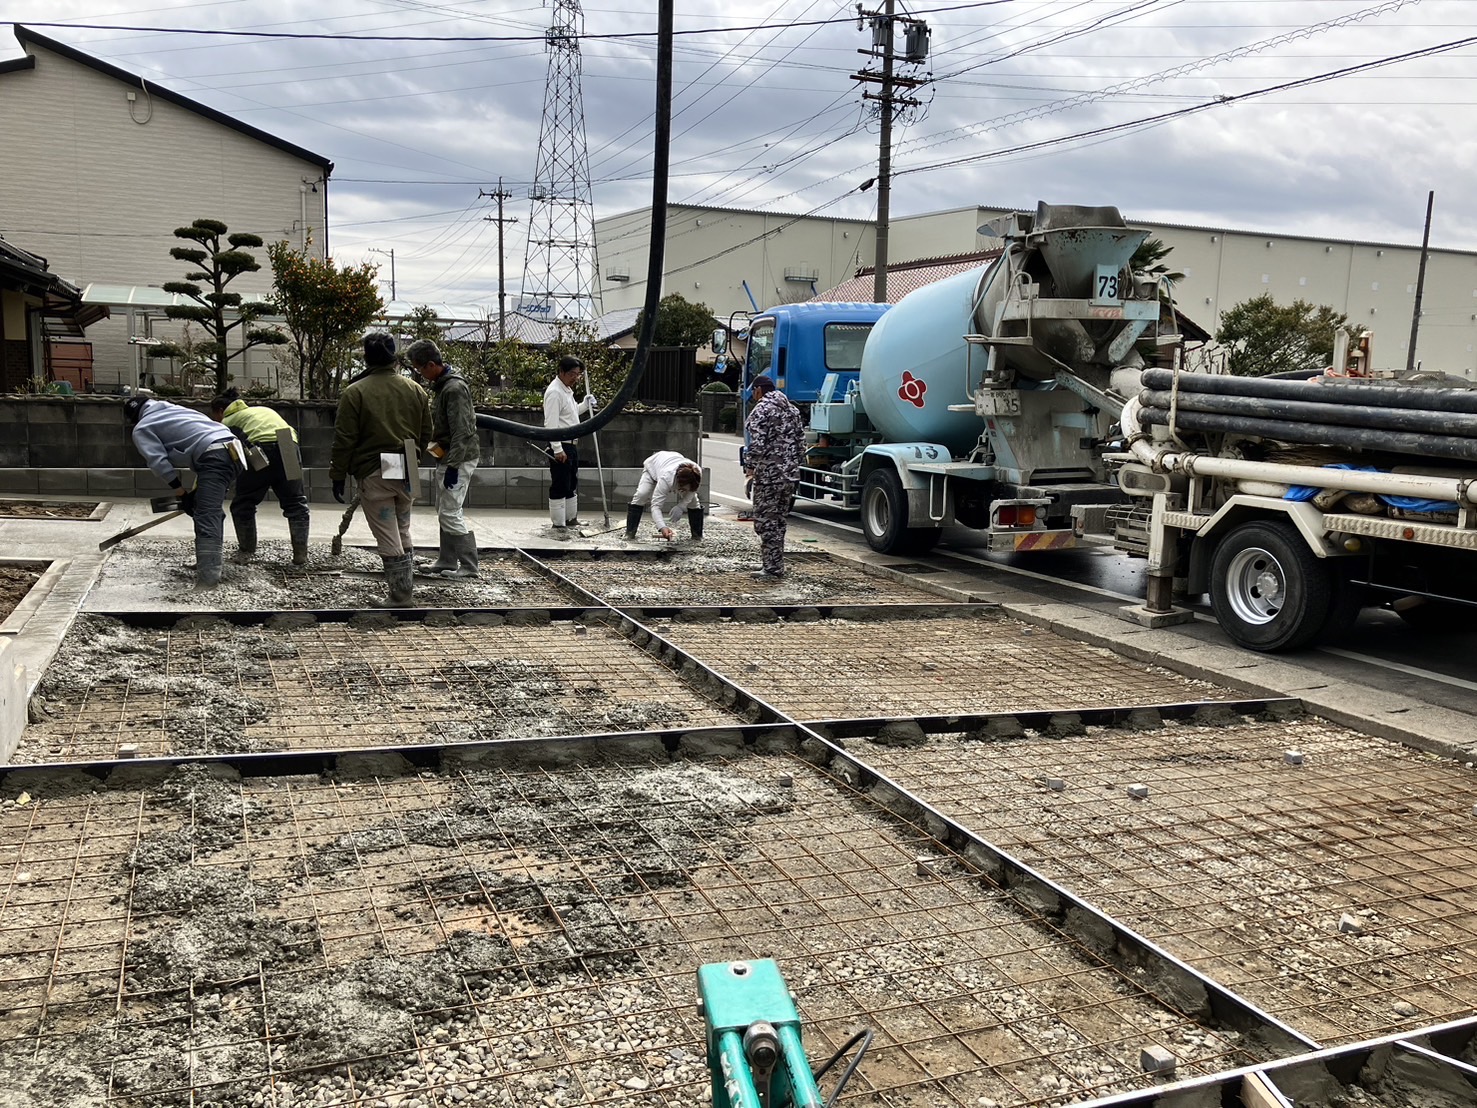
(1350, 925)
(1155, 1059)
(128, 750)
(1293, 757)
(1056, 784)
(925, 865)
(1138, 791)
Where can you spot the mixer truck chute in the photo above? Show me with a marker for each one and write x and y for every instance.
(984, 399)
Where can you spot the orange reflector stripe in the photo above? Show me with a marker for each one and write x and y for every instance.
(1046, 540)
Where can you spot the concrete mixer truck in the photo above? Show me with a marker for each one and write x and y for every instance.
(982, 400)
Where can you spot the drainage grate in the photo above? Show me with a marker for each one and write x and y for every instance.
(911, 567)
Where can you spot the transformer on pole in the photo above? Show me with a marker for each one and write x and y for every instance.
(560, 268)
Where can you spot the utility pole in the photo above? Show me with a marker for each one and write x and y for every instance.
(887, 104)
(391, 252)
(1420, 285)
(500, 219)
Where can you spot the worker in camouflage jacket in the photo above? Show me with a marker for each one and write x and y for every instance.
(377, 412)
(457, 450)
(776, 435)
(259, 427)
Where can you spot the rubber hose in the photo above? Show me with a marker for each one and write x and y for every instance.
(1318, 434)
(1462, 424)
(1330, 391)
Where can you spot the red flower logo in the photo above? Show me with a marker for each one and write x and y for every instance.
(912, 389)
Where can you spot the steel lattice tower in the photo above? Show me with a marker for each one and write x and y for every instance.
(560, 268)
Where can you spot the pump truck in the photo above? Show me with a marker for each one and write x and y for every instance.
(985, 399)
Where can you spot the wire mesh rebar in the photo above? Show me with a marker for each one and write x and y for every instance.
(530, 935)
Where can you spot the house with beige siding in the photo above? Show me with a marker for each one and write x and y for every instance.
(101, 165)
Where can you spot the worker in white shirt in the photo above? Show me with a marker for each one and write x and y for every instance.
(668, 487)
(561, 409)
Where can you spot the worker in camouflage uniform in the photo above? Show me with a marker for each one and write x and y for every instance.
(457, 450)
(776, 436)
(377, 412)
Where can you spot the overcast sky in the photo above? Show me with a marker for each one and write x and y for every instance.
(767, 116)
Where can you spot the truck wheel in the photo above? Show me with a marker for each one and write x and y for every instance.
(885, 517)
(1268, 590)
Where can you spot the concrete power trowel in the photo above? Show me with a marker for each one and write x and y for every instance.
(755, 1055)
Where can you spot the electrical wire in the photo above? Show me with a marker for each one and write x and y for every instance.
(864, 1037)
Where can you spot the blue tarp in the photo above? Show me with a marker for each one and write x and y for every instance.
(1406, 503)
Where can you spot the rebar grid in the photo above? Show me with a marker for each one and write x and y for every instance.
(694, 578)
(223, 689)
(839, 669)
(1244, 865)
(532, 935)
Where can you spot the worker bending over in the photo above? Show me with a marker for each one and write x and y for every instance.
(457, 450)
(171, 436)
(669, 486)
(377, 412)
(259, 428)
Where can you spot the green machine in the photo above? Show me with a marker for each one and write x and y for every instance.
(755, 1054)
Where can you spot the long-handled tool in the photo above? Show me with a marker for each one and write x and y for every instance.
(343, 525)
(160, 504)
(599, 473)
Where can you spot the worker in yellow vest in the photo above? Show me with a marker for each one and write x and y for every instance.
(267, 470)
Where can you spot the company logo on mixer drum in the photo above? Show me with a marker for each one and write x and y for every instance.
(912, 389)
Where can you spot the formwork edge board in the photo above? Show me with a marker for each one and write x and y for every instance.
(853, 727)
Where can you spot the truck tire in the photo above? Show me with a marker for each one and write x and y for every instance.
(1269, 592)
(885, 516)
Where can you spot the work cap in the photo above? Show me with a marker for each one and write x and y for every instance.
(379, 350)
(763, 382)
(133, 408)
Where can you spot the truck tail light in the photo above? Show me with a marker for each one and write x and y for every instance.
(1020, 515)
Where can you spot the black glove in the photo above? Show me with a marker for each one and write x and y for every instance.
(450, 479)
(187, 503)
(338, 491)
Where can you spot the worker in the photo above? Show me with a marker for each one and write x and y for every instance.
(776, 436)
(377, 413)
(169, 436)
(259, 428)
(457, 450)
(562, 410)
(669, 485)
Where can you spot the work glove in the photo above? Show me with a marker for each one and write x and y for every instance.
(187, 503)
(590, 402)
(338, 491)
(451, 475)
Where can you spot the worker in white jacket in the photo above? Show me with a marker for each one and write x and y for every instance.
(669, 486)
(561, 409)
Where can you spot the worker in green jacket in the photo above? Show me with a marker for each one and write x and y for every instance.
(267, 471)
(377, 412)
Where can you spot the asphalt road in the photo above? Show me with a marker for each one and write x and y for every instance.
(1380, 653)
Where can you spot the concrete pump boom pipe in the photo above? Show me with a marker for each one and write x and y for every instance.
(1332, 391)
(1420, 421)
(1318, 434)
(1164, 458)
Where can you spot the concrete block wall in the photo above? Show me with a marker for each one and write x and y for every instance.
(79, 446)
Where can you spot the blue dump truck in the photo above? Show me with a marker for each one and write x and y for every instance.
(984, 400)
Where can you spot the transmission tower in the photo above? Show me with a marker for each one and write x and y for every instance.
(560, 269)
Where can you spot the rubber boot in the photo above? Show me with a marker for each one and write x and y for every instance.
(445, 557)
(572, 511)
(556, 514)
(245, 540)
(465, 549)
(695, 521)
(399, 576)
(297, 531)
(208, 568)
(634, 513)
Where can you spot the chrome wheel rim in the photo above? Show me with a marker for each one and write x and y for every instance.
(1256, 586)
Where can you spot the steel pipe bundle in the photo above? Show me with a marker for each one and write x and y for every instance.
(1400, 419)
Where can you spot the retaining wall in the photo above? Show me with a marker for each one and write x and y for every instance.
(79, 446)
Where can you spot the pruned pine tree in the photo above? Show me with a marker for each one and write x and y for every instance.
(219, 258)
